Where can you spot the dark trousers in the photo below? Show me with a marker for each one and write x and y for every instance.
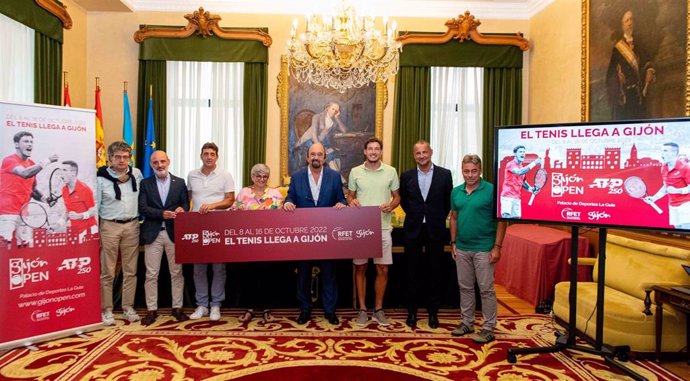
(329, 287)
(424, 257)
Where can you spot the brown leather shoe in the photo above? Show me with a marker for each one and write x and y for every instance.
(149, 318)
(178, 314)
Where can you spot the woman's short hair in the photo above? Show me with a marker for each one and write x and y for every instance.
(260, 168)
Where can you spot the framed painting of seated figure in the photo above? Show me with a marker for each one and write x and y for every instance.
(342, 122)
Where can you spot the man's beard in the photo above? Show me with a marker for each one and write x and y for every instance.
(161, 173)
(316, 164)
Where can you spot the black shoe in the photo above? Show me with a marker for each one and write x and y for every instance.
(304, 317)
(433, 320)
(149, 318)
(179, 315)
(411, 319)
(332, 318)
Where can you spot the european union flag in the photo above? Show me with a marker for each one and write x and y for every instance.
(149, 142)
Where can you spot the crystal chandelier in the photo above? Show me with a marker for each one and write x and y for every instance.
(343, 51)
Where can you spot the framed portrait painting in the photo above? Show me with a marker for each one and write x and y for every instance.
(635, 55)
(342, 122)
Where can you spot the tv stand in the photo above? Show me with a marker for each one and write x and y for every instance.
(566, 341)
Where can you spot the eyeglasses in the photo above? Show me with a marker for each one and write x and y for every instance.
(121, 157)
(261, 177)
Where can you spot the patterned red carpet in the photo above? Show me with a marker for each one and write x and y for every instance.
(285, 351)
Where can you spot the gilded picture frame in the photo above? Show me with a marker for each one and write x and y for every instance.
(361, 111)
(660, 87)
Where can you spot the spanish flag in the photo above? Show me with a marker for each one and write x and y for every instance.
(100, 136)
(68, 102)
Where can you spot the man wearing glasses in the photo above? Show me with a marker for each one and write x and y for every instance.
(117, 199)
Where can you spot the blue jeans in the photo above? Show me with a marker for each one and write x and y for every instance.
(217, 284)
(329, 286)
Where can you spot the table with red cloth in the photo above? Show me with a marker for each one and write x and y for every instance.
(534, 258)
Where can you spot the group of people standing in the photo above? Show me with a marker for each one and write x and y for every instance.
(425, 193)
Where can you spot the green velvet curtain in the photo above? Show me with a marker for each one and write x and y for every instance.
(151, 81)
(502, 85)
(153, 53)
(30, 14)
(502, 107)
(255, 105)
(47, 50)
(411, 113)
(47, 70)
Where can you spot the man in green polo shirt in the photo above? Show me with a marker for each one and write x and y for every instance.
(374, 184)
(476, 239)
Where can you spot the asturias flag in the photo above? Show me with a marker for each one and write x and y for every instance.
(100, 136)
(149, 142)
(127, 131)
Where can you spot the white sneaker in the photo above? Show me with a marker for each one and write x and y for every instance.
(129, 314)
(108, 318)
(200, 312)
(215, 313)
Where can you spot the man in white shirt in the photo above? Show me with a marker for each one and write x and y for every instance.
(209, 189)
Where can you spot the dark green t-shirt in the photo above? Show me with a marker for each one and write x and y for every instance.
(476, 230)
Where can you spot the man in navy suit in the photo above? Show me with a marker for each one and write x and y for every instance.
(425, 198)
(161, 197)
(316, 186)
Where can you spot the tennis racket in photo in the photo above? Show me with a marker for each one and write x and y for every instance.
(636, 188)
(34, 215)
(539, 181)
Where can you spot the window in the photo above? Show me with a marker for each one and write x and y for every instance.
(205, 104)
(456, 116)
(17, 47)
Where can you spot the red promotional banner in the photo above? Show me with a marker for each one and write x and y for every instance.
(634, 174)
(49, 243)
(277, 235)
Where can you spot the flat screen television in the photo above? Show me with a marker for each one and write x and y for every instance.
(633, 174)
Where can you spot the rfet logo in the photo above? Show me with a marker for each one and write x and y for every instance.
(569, 214)
(191, 237)
(39, 315)
(339, 234)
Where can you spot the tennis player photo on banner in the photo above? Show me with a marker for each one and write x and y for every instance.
(49, 265)
(619, 174)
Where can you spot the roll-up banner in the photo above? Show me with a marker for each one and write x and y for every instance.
(49, 244)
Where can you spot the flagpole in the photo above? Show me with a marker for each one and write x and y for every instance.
(98, 81)
(125, 85)
(64, 78)
(150, 91)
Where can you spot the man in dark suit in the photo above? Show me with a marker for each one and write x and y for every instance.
(425, 198)
(316, 186)
(161, 197)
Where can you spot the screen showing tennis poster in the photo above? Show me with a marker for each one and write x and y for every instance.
(618, 174)
(49, 264)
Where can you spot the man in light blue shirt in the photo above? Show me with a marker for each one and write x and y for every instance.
(117, 200)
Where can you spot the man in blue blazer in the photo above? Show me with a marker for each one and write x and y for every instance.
(161, 197)
(425, 198)
(316, 186)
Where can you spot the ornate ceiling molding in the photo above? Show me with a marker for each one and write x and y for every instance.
(464, 28)
(58, 10)
(205, 24)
